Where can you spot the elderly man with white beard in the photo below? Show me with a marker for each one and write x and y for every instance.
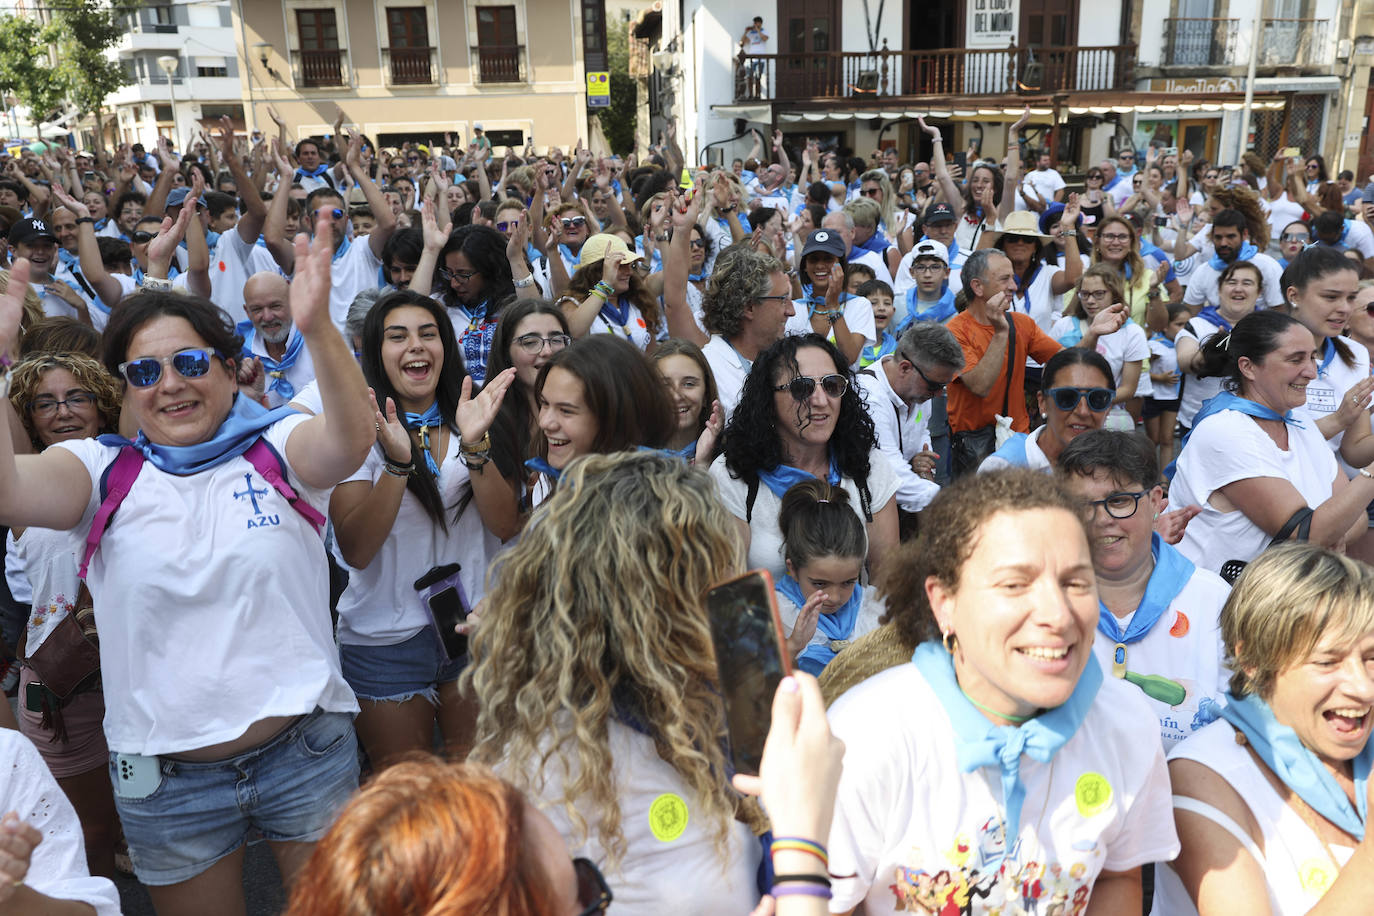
(270, 340)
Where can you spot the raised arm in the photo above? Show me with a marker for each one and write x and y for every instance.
(942, 176)
(250, 222)
(1013, 175)
(677, 266)
(274, 228)
(88, 250)
(422, 281)
(386, 220)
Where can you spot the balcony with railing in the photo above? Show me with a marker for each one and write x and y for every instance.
(860, 76)
(411, 66)
(315, 69)
(500, 63)
(1200, 42)
(1296, 43)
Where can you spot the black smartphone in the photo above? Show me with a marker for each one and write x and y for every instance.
(1161, 221)
(751, 658)
(448, 606)
(961, 160)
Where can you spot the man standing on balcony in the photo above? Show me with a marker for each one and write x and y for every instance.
(755, 41)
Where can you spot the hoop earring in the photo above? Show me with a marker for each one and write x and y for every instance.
(950, 641)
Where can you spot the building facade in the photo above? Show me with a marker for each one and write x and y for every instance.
(416, 69)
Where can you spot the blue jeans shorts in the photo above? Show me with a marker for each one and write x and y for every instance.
(289, 789)
(415, 667)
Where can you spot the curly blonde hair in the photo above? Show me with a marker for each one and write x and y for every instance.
(28, 374)
(621, 632)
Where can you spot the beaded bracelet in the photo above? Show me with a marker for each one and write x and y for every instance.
(800, 844)
(603, 289)
(398, 470)
(801, 890)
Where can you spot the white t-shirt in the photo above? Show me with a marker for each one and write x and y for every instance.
(729, 369)
(1163, 360)
(1203, 289)
(380, 607)
(213, 598)
(765, 538)
(350, 273)
(905, 813)
(1040, 302)
(858, 315)
(670, 866)
(1230, 446)
(874, 260)
(1185, 646)
(1196, 391)
(231, 264)
(1359, 237)
(43, 562)
(1127, 344)
(1043, 182)
(635, 330)
(1282, 211)
(1324, 392)
(57, 867)
(902, 431)
(301, 373)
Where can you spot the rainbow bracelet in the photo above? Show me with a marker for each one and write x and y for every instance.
(800, 844)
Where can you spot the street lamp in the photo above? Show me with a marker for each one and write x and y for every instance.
(168, 63)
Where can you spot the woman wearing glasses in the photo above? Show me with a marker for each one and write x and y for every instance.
(211, 586)
(800, 416)
(1125, 349)
(611, 719)
(1118, 246)
(1158, 627)
(429, 837)
(1076, 391)
(402, 515)
(1292, 240)
(1257, 469)
(61, 397)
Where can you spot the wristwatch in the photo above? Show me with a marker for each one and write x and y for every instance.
(156, 284)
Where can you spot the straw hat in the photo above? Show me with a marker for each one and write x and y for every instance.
(1020, 222)
(870, 654)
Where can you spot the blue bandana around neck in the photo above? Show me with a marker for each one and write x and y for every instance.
(543, 467)
(686, 453)
(1026, 287)
(1211, 314)
(276, 369)
(978, 743)
(696, 278)
(1074, 336)
(1328, 354)
(1284, 753)
(432, 419)
(783, 477)
(1160, 338)
(616, 315)
(836, 626)
(870, 355)
(316, 172)
(877, 243)
(941, 311)
(1227, 400)
(240, 429)
(476, 314)
(1247, 251)
(1171, 573)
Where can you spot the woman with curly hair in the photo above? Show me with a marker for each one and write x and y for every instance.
(800, 415)
(1259, 225)
(607, 295)
(58, 397)
(611, 720)
(994, 756)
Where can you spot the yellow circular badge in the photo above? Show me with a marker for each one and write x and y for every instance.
(668, 817)
(1092, 793)
(1316, 876)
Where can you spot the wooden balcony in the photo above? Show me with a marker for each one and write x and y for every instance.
(500, 63)
(955, 72)
(411, 66)
(1200, 42)
(315, 69)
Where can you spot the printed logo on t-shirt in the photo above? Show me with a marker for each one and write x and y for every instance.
(251, 493)
(1092, 793)
(668, 817)
(1321, 400)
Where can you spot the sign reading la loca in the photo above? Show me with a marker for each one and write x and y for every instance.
(991, 23)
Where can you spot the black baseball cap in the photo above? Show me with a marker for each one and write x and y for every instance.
(939, 213)
(27, 231)
(827, 241)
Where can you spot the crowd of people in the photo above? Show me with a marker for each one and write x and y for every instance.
(331, 466)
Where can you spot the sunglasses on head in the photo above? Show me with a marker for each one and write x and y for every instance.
(803, 386)
(189, 363)
(573, 222)
(141, 237)
(1066, 399)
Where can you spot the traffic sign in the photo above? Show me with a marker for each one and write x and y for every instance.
(598, 89)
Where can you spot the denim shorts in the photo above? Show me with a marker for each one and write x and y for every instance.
(289, 789)
(415, 667)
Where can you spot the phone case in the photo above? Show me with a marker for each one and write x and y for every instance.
(137, 776)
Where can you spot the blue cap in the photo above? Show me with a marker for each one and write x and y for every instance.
(178, 197)
(1050, 218)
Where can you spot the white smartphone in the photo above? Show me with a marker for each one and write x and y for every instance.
(137, 776)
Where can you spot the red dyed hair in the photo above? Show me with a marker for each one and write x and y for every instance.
(426, 838)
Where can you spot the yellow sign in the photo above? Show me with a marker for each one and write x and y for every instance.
(598, 89)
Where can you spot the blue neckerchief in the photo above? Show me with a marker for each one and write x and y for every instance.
(1158, 337)
(534, 255)
(101, 224)
(1113, 183)
(1345, 230)
(870, 355)
(617, 315)
(1284, 753)
(978, 743)
(696, 278)
(543, 467)
(1075, 334)
(1171, 573)
(568, 257)
(877, 243)
(343, 249)
(1211, 314)
(1328, 354)
(240, 429)
(1013, 451)
(1025, 290)
(687, 453)
(1226, 400)
(1283, 263)
(432, 419)
(1247, 251)
(783, 477)
(275, 368)
(476, 314)
(837, 625)
(941, 311)
(316, 172)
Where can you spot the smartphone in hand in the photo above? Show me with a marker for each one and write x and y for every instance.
(751, 658)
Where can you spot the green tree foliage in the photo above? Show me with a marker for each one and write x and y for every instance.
(24, 66)
(618, 120)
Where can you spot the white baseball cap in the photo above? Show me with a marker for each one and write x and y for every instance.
(930, 248)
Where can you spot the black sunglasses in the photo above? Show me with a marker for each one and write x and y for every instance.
(593, 894)
(935, 387)
(803, 386)
(1066, 399)
(141, 237)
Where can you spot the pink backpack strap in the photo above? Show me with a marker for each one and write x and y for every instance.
(269, 465)
(116, 483)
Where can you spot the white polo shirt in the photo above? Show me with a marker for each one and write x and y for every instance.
(902, 433)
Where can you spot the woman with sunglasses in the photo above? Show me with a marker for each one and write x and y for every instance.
(1095, 202)
(571, 224)
(877, 187)
(1076, 392)
(1255, 467)
(61, 397)
(216, 652)
(476, 272)
(402, 515)
(988, 773)
(799, 416)
(430, 836)
(1126, 349)
(1293, 238)
(1039, 280)
(1271, 803)
(611, 720)
(1158, 625)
